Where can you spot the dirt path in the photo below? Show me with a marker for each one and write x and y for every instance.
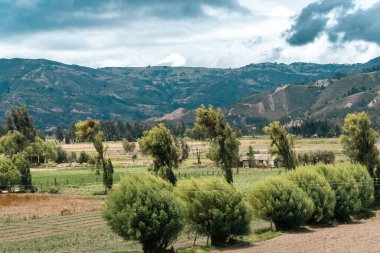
(362, 237)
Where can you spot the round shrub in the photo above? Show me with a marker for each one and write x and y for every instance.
(346, 190)
(144, 208)
(318, 189)
(9, 174)
(214, 208)
(83, 157)
(364, 181)
(281, 201)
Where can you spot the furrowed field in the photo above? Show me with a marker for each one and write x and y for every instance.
(70, 221)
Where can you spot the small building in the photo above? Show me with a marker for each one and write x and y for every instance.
(261, 160)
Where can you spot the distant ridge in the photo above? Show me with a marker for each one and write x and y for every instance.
(60, 94)
(323, 99)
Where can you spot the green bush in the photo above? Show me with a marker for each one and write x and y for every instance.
(345, 187)
(318, 189)
(364, 181)
(83, 157)
(91, 161)
(214, 208)
(144, 208)
(9, 174)
(281, 201)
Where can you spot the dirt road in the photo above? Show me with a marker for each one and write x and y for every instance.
(363, 237)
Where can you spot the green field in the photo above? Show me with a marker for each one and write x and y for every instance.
(87, 232)
(85, 177)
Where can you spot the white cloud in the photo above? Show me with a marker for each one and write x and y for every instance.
(228, 40)
(173, 60)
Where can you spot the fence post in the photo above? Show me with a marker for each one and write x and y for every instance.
(55, 181)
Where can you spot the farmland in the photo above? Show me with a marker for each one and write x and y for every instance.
(35, 222)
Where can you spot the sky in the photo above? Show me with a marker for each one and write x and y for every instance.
(205, 33)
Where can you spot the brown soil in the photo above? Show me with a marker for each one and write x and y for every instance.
(361, 237)
(24, 206)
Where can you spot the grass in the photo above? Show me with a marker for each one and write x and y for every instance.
(87, 232)
(82, 180)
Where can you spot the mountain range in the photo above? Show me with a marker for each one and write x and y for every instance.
(60, 94)
(323, 99)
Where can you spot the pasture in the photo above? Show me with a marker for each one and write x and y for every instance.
(37, 224)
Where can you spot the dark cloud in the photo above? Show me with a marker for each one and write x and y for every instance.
(23, 16)
(312, 21)
(360, 25)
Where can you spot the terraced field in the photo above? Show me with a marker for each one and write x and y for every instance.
(72, 233)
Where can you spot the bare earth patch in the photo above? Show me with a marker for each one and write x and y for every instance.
(25, 206)
(361, 237)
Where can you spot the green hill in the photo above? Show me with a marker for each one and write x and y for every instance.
(323, 99)
(57, 93)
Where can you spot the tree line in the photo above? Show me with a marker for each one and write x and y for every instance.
(117, 130)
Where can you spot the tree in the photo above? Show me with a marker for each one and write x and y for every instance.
(224, 144)
(61, 156)
(198, 153)
(185, 150)
(319, 191)
(108, 174)
(36, 150)
(281, 201)
(214, 208)
(83, 157)
(90, 130)
(281, 144)
(160, 144)
(59, 135)
(21, 162)
(359, 141)
(346, 188)
(144, 208)
(17, 118)
(9, 174)
(12, 143)
(251, 157)
(129, 147)
(49, 151)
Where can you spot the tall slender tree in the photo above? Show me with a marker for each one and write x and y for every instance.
(359, 141)
(59, 135)
(224, 143)
(359, 144)
(281, 144)
(90, 130)
(160, 144)
(17, 118)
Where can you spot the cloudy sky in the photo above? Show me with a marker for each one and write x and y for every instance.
(209, 33)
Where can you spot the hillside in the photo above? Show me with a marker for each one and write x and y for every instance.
(331, 99)
(57, 93)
